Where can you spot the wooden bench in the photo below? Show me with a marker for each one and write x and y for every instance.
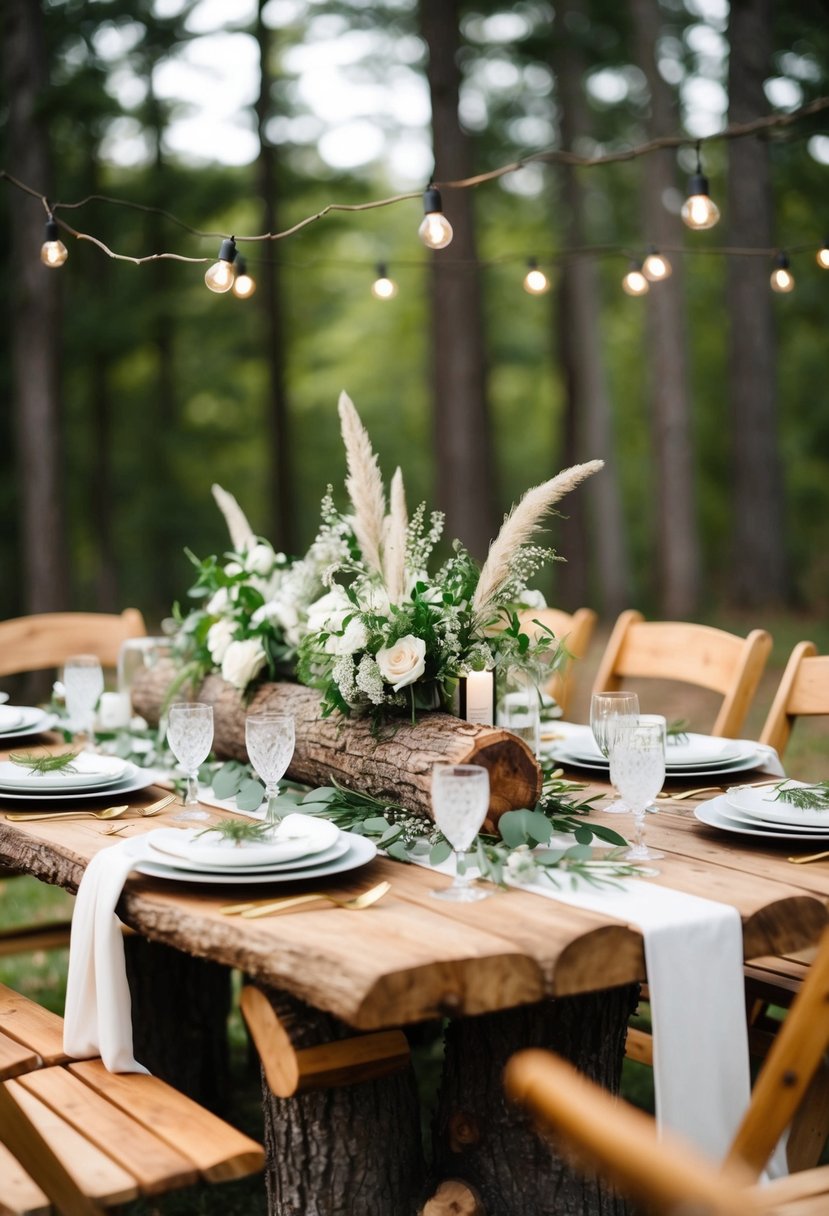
(75, 1139)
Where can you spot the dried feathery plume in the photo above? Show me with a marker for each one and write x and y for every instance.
(363, 483)
(241, 533)
(523, 521)
(394, 540)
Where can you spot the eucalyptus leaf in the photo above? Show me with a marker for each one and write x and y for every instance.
(326, 793)
(250, 795)
(583, 835)
(439, 852)
(227, 781)
(375, 824)
(397, 850)
(388, 837)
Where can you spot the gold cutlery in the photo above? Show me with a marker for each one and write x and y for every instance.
(799, 861)
(706, 789)
(109, 812)
(258, 908)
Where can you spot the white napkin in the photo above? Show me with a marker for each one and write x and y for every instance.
(97, 1019)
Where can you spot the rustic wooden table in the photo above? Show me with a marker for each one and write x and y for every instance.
(356, 1148)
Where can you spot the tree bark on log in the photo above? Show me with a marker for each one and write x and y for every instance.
(482, 1139)
(396, 764)
(354, 1150)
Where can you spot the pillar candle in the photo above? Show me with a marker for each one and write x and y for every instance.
(480, 689)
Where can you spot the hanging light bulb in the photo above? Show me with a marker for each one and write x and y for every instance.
(53, 252)
(782, 279)
(656, 266)
(243, 285)
(220, 276)
(435, 230)
(634, 282)
(383, 288)
(535, 280)
(699, 211)
(823, 255)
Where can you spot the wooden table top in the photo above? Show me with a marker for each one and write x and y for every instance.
(411, 957)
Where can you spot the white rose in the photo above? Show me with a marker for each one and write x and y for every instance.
(260, 559)
(329, 611)
(354, 637)
(243, 661)
(218, 602)
(402, 663)
(532, 598)
(219, 637)
(277, 613)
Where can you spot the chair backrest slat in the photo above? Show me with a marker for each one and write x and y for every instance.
(803, 690)
(46, 640)
(575, 630)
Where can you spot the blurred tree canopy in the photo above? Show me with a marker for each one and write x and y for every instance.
(166, 388)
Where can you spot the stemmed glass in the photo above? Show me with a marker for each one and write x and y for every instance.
(637, 769)
(269, 739)
(83, 683)
(609, 710)
(190, 736)
(460, 801)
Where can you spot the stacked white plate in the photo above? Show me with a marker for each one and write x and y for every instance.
(759, 811)
(300, 847)
(688, 756)
(88, 776)
(16, 721)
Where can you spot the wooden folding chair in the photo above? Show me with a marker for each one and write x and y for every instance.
(575, 631)
(692, 654)
(803, 690)
(621, 1143)
(38, 643)
(76, 1139)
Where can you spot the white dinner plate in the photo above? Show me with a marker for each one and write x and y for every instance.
(11, 718)
(87, 771)
(336, 850)
(33, 721)
(360, 851)
(748, 821)
(296, 836)
(564, 756)
(713, 814)
(139, 780)
(762, 805)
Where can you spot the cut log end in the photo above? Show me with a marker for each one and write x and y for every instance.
(454, 1198)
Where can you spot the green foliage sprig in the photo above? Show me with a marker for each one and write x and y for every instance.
(677, 731)
(804, 797)
(43, 762)
(239, 831)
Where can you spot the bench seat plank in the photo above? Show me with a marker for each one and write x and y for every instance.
(30, 1024)
(19, 1195)
(16, 1058)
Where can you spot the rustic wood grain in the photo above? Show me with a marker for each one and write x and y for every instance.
(395, 764)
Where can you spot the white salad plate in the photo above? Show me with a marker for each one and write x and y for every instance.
(700, 751)
(359, 852)
(714, 814)
(87, 771)
(763, 805)
(134, 779)
(754, 760)
(296, 836)
(11, 718)
(336, 850)
(32, 720)
(748, 821)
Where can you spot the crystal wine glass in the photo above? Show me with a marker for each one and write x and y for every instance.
(269, 739)
(607, 711)
(460, 801)
(83, 682)
(190, 736)
(637, 769)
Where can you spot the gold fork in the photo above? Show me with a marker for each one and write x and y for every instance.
(109, 812)
(250, 911)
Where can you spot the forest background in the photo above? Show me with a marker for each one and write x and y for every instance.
(129, 389)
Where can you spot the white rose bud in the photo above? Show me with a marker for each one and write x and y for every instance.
(232, 569)
(219, 637)
(218, 602)
(402, 663)
(532, 598)
(260, 559)
(242, 662)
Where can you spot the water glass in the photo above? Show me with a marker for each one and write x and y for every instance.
(269, 738)
(607, 711)
(637, 769)
(83, 683)
(460, 801)
(518, 707)
(190, 736)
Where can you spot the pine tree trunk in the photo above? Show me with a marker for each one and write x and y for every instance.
(465, 463)
(487, 1142)
(759, 574)
(677, 538)
(354, 1150)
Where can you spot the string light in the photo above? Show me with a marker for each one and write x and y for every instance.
(383, 288)
(782, 279)
(634, 283)
(699, 210)
(53, 252)
(656, 266)
(535, 280)
(220, 275)
(435, 230)
(243, 285)
(822, 257)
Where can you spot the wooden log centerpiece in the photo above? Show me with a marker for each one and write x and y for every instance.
(394, 763)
